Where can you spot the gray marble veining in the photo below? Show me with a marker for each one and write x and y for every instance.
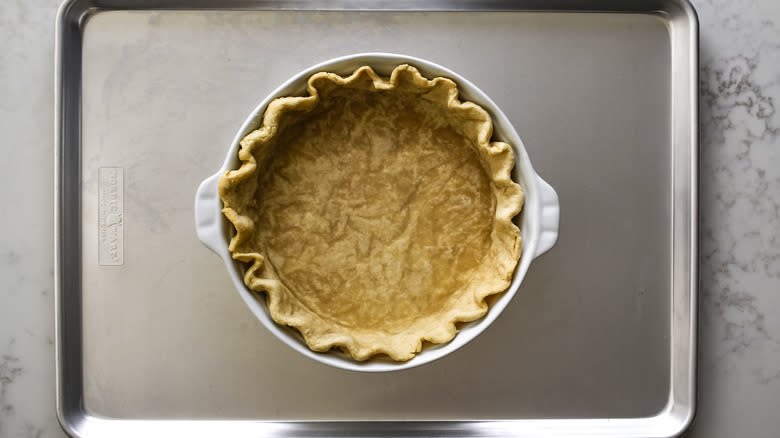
(739, 377)
(739, 349)
(26, 302)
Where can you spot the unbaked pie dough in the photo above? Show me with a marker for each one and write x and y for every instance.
(374, 213)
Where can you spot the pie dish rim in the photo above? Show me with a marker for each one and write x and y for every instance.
(539, 220)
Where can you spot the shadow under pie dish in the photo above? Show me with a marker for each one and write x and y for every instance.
(374, 211)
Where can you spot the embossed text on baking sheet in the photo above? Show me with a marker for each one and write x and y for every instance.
(110, 212)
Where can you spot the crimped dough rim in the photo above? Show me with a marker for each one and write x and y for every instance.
(319, 333)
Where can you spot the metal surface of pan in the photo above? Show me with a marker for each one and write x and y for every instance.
(152, 339)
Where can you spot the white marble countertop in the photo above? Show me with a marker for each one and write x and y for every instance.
(739, 349)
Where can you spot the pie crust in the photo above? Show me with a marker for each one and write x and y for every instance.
(374, 213)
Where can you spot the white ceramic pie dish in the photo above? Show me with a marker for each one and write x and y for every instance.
(539, 219)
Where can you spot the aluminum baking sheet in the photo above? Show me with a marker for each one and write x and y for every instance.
(152, 338)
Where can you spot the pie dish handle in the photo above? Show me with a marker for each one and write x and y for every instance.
(549, 215)
(207, 214)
